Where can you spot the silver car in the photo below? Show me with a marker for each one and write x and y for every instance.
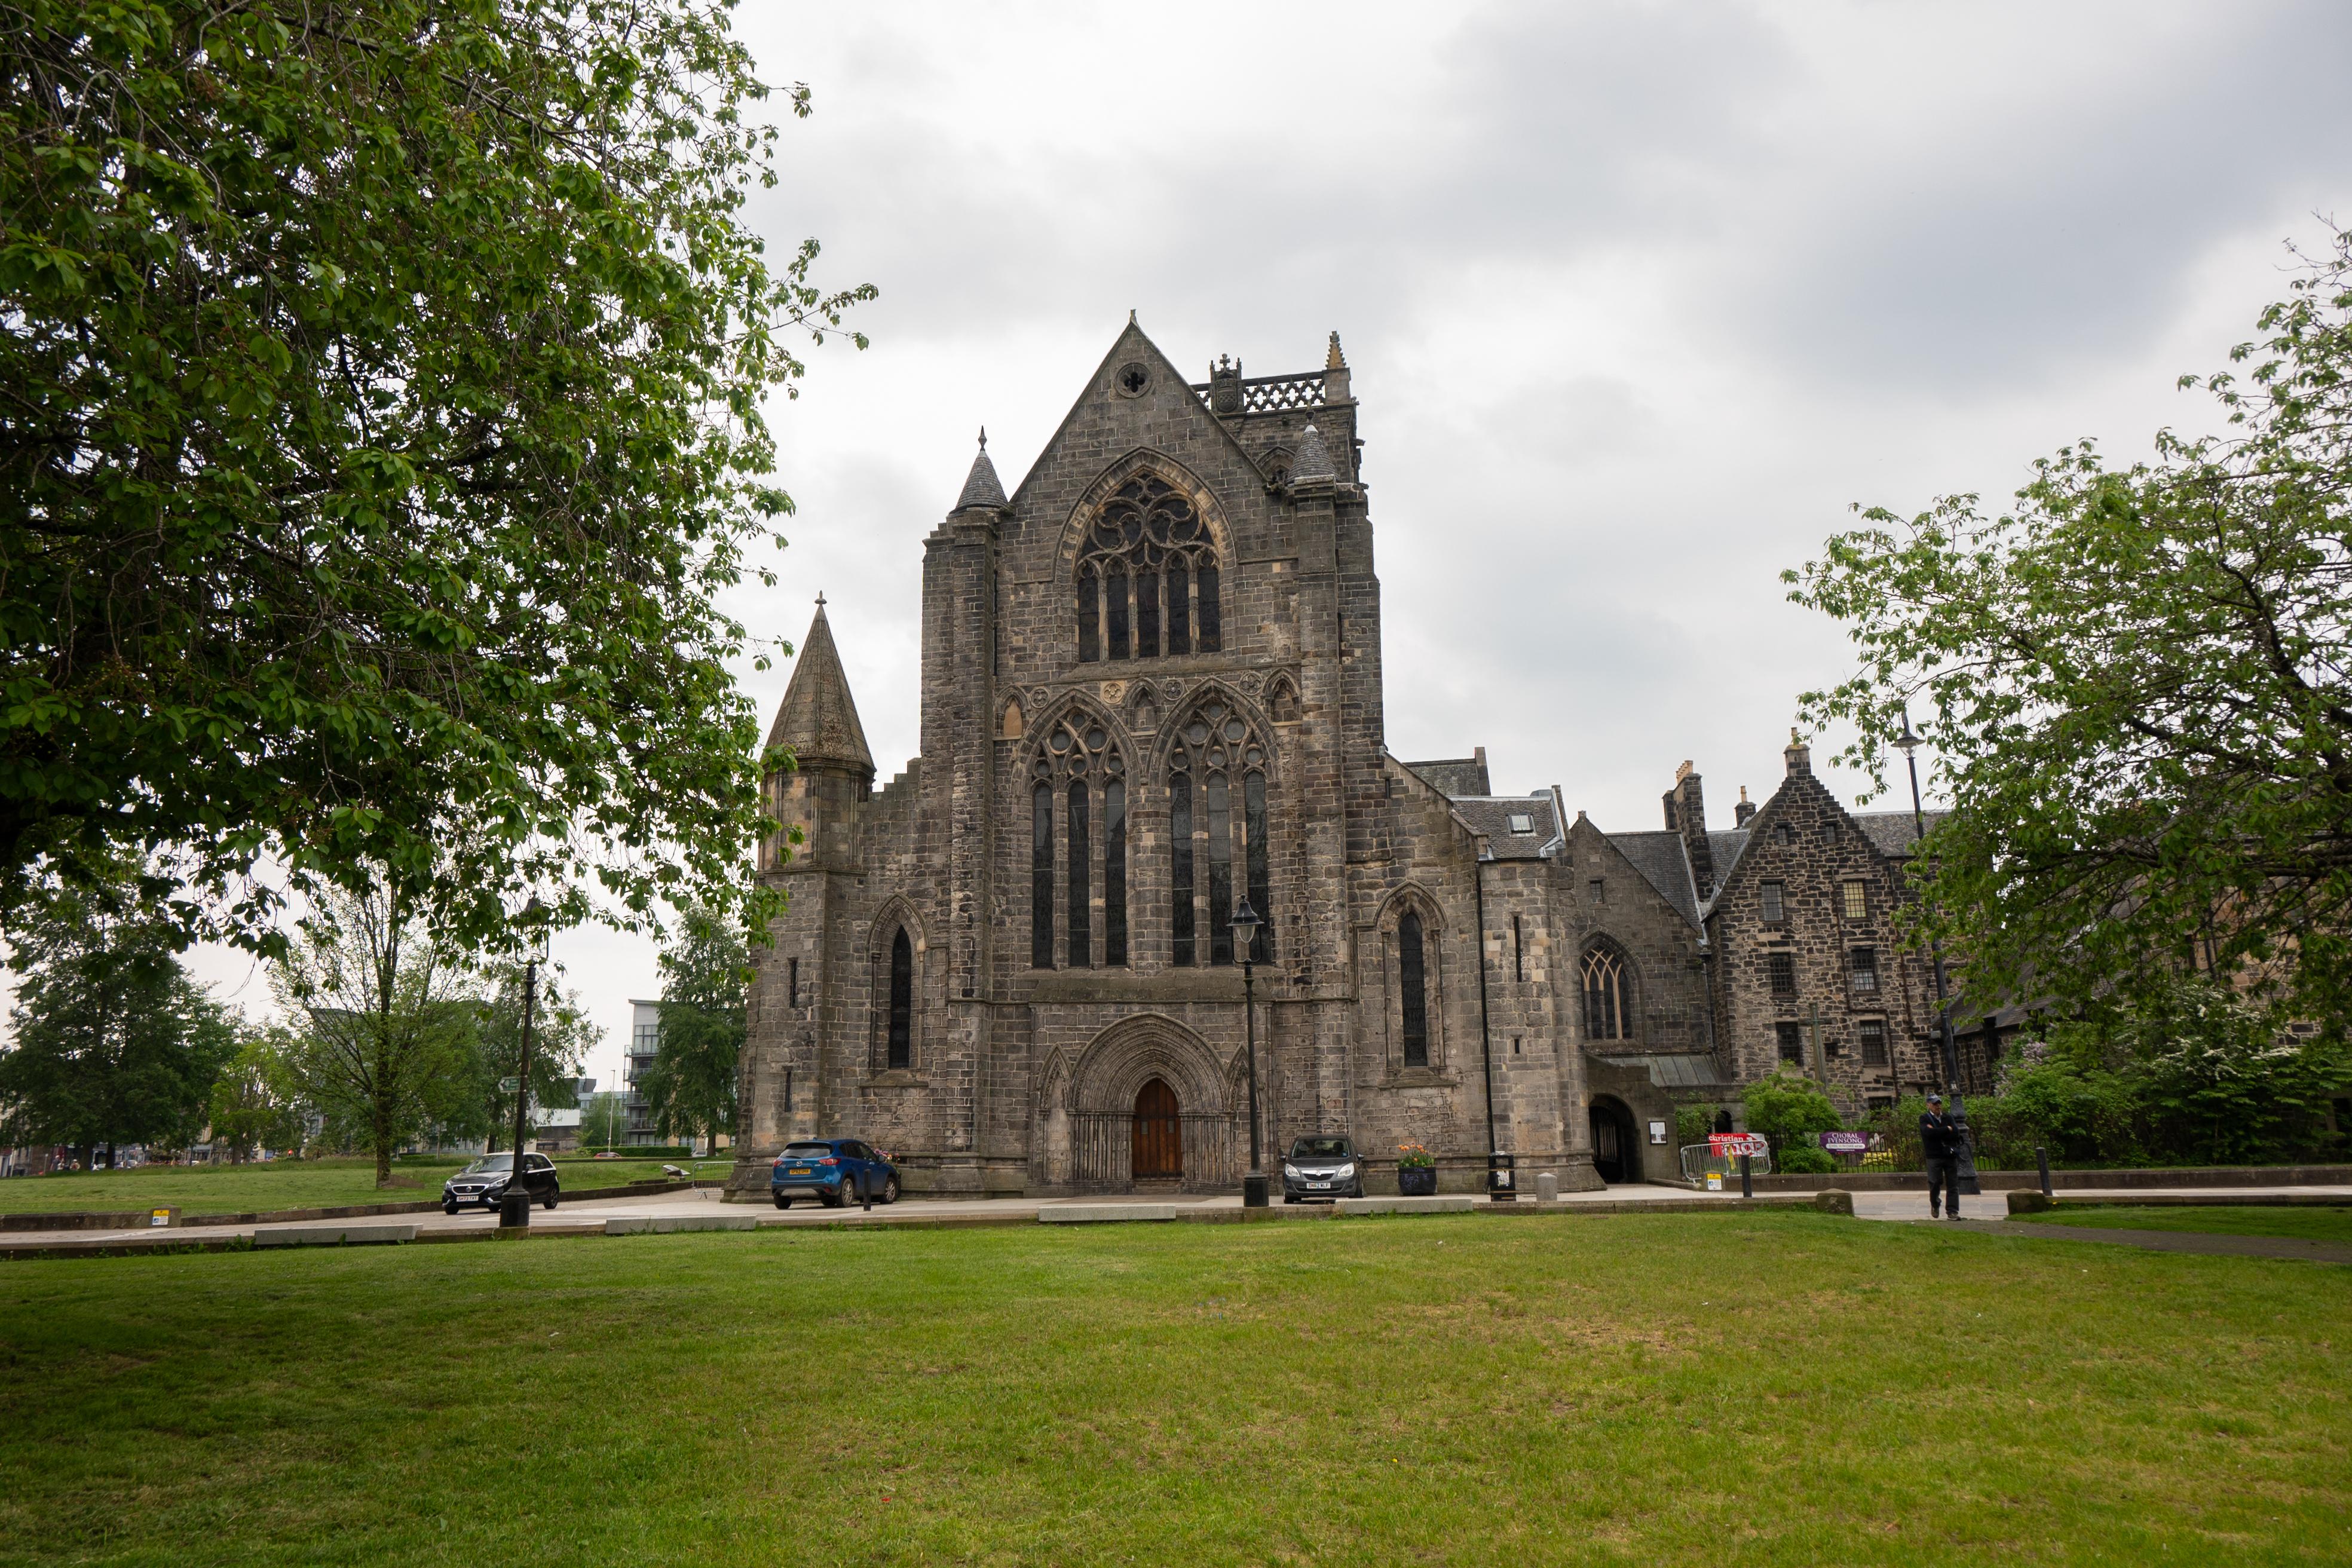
(1319, 1168)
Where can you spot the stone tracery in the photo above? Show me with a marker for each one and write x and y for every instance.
(1148, 580)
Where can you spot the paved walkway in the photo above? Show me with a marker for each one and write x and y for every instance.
(1985, 1214)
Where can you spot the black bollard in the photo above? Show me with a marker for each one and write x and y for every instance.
(1747, 1179)
(2041, 1158)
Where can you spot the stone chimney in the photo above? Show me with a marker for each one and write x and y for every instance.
(1686, 814)
(1744, 810)
(1799, 756)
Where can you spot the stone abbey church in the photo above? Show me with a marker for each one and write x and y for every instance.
(1151, 688)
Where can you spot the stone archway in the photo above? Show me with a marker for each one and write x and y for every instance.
(1616, 1149)
(1148, 1103)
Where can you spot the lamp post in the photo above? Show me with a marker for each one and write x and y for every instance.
(1909, 745)
(1245, 925)
(514, 1204)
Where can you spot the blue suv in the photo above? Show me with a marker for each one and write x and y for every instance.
(834, 1171)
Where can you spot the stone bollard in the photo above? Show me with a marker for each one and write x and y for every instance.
(2026, 1201)
(1546, 1186)
(1834, 1200)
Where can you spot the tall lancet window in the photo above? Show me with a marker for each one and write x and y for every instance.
(1217, 829)
(1606, 1016)
(902, 1001)
(1079, 769)
(1412, 985)
(1148, 577)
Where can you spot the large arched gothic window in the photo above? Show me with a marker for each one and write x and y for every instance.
(1412, 985)
(1606, 1014)
(1079, 768)
(1148, 577)
(1216, 808)
(902, 1001)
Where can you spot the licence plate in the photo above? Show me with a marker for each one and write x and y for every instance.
(799, 1171)
(1318, 1186)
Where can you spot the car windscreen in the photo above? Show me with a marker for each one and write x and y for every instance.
(491, 1164)
(1321, 1149)
(808, 1151)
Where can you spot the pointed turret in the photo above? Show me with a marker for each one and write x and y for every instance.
(816, 719)
(1313, 465)
(980, 487)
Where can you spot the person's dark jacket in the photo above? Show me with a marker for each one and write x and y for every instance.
(1939, 1135)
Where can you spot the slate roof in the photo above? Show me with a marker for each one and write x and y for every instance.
(1727, 845)
(1893, 832)
(1669, 1069)
(1313, 461)
(816, 719)
(1664, 864)
(1491, 815)
(1454, 776)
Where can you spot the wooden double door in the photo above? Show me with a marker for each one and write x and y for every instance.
(1159, 1133)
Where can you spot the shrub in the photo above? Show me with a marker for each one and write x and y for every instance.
(1789, 1108)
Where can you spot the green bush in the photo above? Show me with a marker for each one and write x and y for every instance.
(1693, 1123)
(1789, 1108)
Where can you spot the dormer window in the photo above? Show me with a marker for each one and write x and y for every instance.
(1522, 823)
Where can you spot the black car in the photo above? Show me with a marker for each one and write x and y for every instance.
(1321, 1168)
(485, 1182)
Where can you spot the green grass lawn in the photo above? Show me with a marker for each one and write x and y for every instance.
(281, 1185)
(1750, 1389)
(2308, 1224)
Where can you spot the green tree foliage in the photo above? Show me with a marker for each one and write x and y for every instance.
(561, 1038)
(114, 1043)
(2137, 690)
(605, 1120)
(380, 424)
(251, 1106)
(1789, 1108)
(690, 1087)
(385, 1031)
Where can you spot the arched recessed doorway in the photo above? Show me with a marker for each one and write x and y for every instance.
(1159, 1133)
(1616, 1156)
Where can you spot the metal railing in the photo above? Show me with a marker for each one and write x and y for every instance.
(1700, 1161)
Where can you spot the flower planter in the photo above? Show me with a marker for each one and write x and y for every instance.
(1417, 1181)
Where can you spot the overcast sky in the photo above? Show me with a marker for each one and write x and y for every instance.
(1638, 299)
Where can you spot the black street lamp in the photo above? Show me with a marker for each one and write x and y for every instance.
(1245, 926)
(1908, 743)
(514, 1204)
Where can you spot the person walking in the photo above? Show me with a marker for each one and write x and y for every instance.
(1939, 1140)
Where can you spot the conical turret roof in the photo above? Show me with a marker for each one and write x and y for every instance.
(816, 719)
(1313, 464)
(981, 488)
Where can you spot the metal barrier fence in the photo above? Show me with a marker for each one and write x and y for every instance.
(1700, 1161)
(1102, 1151)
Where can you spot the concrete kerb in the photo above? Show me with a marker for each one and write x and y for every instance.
(1104, 1213)
(1445, 1202)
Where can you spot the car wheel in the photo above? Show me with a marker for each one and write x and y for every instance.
(782, 1202)
(835, 1197)
(890, 1189)
(550, 1201)
(449, 1208)
(1290, 1198)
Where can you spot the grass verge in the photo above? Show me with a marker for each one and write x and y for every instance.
(2308, 1224)
(1769, 1388)
(282, 1184)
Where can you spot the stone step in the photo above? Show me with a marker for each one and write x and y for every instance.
(332, 1234)
(1444, 1203)
(1104, 1213)
(667, 1224)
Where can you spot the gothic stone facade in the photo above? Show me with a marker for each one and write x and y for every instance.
(1151, 689)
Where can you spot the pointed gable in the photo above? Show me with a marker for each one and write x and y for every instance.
(816, 719)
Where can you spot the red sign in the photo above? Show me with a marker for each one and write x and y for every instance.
(1731, 1145)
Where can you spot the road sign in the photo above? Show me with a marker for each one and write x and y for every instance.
(506, 1085)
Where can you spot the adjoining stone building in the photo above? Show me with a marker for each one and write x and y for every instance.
(1151, 688)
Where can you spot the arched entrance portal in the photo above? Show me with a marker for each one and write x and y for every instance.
(1616, 1156)
(1157, 1135)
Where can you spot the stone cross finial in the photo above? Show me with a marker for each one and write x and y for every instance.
(820, 598)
